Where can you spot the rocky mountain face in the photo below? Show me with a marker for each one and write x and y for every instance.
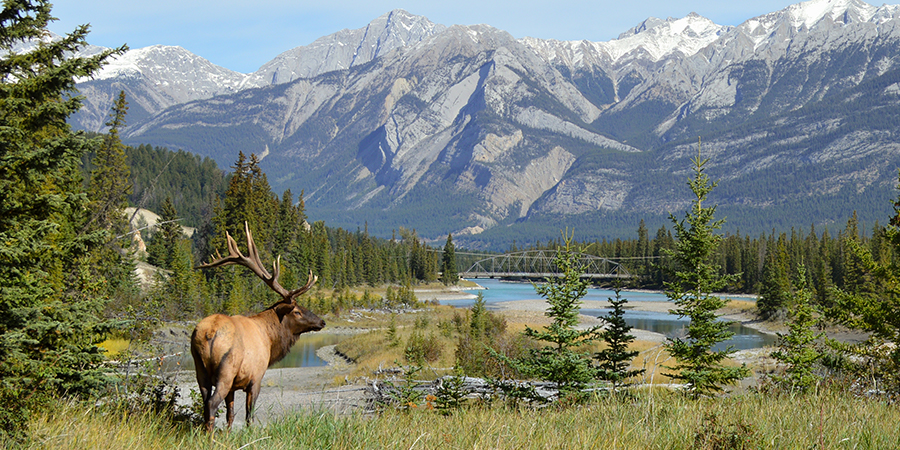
(466, 129)
(153, 78)
(157, 77)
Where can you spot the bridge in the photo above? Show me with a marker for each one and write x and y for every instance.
(540, 264)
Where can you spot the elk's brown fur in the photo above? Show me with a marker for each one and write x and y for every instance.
(232, 353)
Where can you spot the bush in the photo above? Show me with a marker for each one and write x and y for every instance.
(421, 349)
(478, 357)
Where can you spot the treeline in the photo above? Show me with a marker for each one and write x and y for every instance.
(765, 264)
(279, 226)
(189, 181)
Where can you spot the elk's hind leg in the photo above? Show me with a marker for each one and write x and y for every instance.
(215, 400)
(252, 394)
(206, 394)
(229, 408)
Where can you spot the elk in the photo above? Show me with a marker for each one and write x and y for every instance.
(232, 353)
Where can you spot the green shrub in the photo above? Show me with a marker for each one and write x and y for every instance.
(421, 349)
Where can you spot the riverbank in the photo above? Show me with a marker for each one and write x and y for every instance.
(337, 386)
(741, 308)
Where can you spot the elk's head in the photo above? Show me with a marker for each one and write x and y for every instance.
(298, 319)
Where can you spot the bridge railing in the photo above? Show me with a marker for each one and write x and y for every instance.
(541, 264)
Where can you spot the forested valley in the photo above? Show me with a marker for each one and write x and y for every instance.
(215, 201)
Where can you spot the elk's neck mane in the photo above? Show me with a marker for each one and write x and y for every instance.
(280, 338)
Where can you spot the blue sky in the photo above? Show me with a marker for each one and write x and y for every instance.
(243, 35)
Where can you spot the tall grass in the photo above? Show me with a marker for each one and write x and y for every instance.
(650, 419)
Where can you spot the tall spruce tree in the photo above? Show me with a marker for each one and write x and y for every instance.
(50, 305)
(108, 190)
(110, 183)
(696, 278)
(449, 273)
(796, 349)
(562, 361)
(871, 302)
(615, 359)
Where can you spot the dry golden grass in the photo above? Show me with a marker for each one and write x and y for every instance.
(739, 306)
(651, 418)
(74, 426)
(371, 351)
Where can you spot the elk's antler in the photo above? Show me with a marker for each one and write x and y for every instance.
(253, 262)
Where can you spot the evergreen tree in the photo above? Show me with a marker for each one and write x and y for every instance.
(775, 286)
(321, 254)
(421, 265)
(695, 279)
(872, 302)
(164, 244)
(392, 338)
(643, 248)
(108, 189)
(50, 303)
(235, 208)
(561, 361)
(824, 279)
(796, 349)
(449, 274)
(110, 183)
(616, 358)
(289, 224)
(264, 207)
(661, 245)
(248, 199)
(477, 324)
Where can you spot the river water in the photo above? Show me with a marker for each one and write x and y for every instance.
(497, 291)
(303, 354)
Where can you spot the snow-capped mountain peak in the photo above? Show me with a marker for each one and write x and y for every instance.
(651, 40)
(660, 37)
(809, 13)
(163, 64)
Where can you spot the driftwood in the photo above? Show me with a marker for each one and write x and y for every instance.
(381, 392)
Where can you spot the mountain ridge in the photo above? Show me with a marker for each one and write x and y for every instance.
(466, 129)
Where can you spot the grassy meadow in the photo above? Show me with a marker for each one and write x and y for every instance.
(652, 416)
(651, 419)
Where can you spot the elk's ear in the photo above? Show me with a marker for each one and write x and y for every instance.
(283, 309)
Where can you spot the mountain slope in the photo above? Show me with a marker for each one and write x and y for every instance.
(157, 77)
(346, 48)
(465, 129)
